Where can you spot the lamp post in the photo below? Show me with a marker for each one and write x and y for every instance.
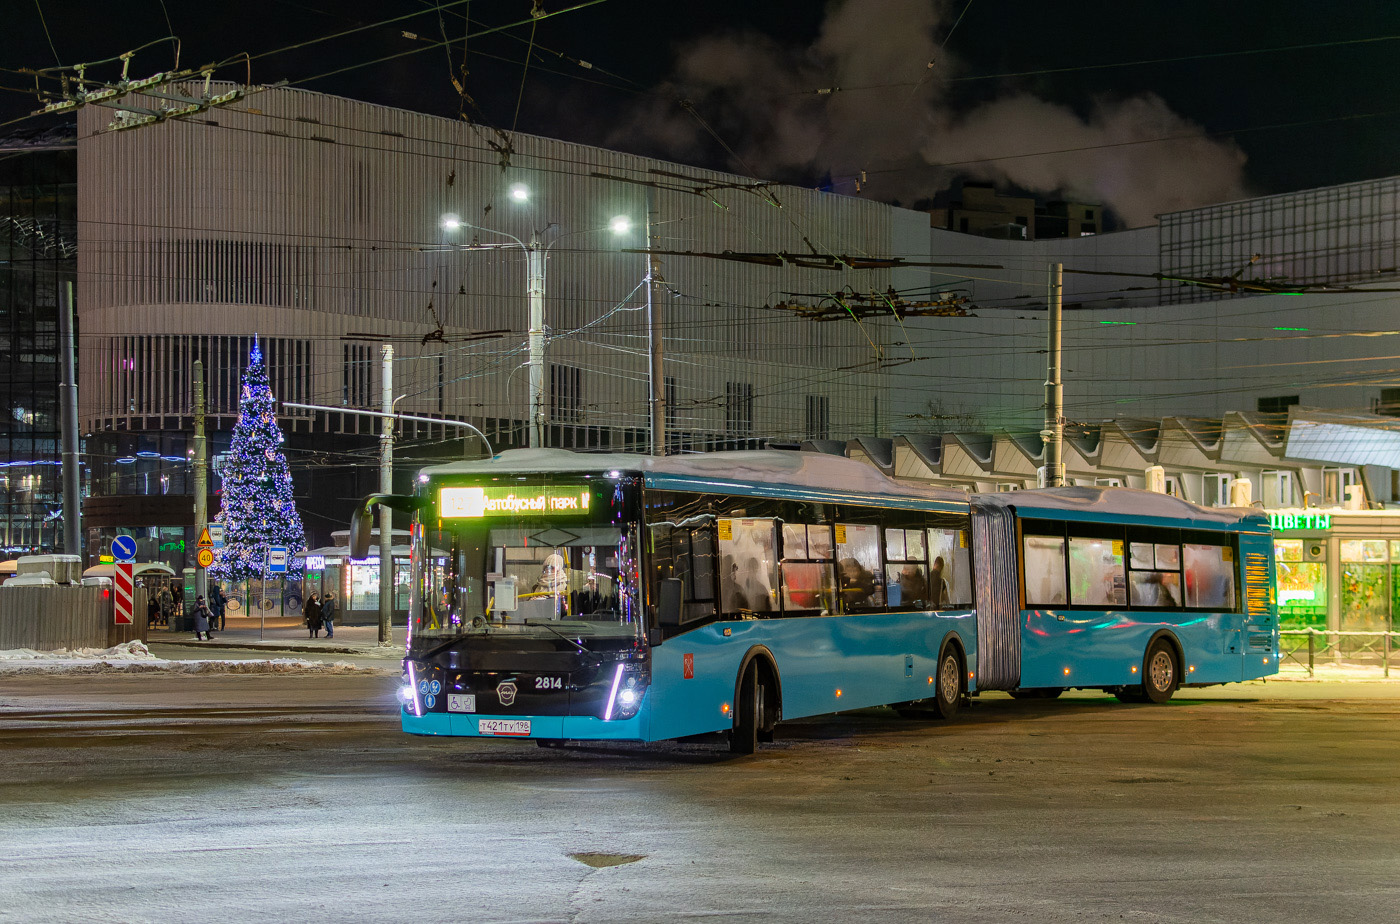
(536, 253)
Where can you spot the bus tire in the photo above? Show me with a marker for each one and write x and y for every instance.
(1161, 674)
(748, 712)
(948, 685)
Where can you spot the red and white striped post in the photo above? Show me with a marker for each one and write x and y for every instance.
(122, 583)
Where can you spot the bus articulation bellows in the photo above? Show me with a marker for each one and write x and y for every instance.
(559, 595)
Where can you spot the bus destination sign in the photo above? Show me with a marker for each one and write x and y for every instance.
(543, 500)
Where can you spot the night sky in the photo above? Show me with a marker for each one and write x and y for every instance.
(918, 94)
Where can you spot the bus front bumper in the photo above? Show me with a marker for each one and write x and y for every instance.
(473, 725)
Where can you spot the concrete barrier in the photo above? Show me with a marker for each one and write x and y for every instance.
(49, 618)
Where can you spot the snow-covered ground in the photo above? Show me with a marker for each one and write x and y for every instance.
(135, 657)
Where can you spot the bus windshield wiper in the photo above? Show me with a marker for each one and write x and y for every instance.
(575, 642)
(438, 649)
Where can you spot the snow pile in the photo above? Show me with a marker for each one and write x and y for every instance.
(271, 666)
(127, 651)
(135, 658)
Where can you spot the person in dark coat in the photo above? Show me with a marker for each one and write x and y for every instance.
(328, 614)
(216, 606)
(201, 620)
(311, 615)
(167, 605)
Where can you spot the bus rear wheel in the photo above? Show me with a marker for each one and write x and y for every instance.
(1160, 675)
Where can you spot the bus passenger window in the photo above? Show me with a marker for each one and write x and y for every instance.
(1096, 575)
(806, 569)
(950, 568)
(906, 573)
(1156, 588)
(858, 566)
(1045, 570)
(747, 566)
(1154, 579)
(1210, 576)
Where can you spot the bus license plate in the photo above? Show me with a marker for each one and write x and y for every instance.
(503, 726)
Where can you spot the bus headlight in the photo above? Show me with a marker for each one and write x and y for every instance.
(413, 674)
(629, 687)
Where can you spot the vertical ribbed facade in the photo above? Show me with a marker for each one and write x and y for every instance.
(308, 219)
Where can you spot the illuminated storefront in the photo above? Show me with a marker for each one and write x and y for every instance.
(1338, 569)
(355, 581)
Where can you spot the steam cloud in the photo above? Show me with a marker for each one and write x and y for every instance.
(887, 117)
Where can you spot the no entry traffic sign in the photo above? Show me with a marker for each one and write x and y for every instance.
(121, 586)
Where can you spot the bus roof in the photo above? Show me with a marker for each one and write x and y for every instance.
(776, 468)
(1116, 503)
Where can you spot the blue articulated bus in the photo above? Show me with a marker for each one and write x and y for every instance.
(570, 596)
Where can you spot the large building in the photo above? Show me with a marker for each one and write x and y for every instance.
(317, 224)
(38, 257)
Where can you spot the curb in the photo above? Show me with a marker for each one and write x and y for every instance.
(249, 646)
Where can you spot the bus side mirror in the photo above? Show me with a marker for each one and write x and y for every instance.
(361, 525)
(362, 522)
(668, 603)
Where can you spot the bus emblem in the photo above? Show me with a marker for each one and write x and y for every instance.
(505, 690)
(688, 666)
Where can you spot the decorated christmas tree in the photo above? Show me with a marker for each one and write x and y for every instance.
(256, 508)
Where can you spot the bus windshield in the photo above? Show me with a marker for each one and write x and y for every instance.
(521, 573)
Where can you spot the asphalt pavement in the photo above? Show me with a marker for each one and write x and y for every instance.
(195, 797)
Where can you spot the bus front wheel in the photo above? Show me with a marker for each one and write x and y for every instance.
(749, 713)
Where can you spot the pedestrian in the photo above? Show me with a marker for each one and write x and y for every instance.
(152, 607)
(216, 605)
(167, 605)
(312, 616)
(201, 620)
(328, 614)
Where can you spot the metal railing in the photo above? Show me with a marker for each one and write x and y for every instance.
(1308, 647)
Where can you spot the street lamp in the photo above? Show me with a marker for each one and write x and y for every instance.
(536, 253)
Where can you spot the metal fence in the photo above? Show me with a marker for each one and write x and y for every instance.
(49, 618)
(1310, 647)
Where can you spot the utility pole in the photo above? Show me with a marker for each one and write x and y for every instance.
(536, 254)
(72, 493)
(201, 477)
(1052, 475)
(386, 486)
(657, 380)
